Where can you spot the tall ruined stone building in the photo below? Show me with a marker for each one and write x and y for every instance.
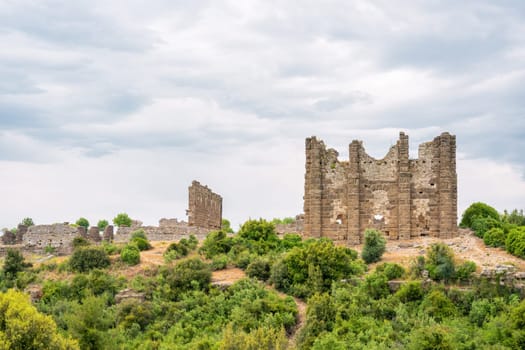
(205, 207)
(401, 197)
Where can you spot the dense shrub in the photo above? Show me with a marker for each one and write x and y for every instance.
(291, 240)
(130, 254)
(374, 246)
(495, 237)
(515, 242)
(464, 271)
(478, 210)
(258, 236)
(140, 243)
(440, 262)
(312, 268)
(216, 242)
(88, 258)
(23, 327)
(188, 274)
(259, 268)
(390, 270)
(410, 291)
(480, 225)
(219, 262)
(80, 241)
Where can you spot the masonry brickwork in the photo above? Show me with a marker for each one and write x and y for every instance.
(205, 207)
(401, 197)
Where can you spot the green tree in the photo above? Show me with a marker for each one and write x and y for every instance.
(440, 262)
(374, 246)
(102, 224)
(22, 327)
(122, 220)
(14, 263)
(27, 222)
(188, 274)
(478, 209)
(83, 222)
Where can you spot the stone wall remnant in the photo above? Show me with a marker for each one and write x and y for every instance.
(94, 234)
(205, 207)
(108, 234)
(401, 197)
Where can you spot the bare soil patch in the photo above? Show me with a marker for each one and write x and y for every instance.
(466, 246)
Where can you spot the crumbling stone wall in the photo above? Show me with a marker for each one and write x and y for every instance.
(168, 230)
(295, 227)
(205, 207)
(58, 236)
(401, 197)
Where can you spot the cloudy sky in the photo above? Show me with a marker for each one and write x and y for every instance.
(116, 106)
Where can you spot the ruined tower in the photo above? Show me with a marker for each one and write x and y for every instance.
(401, 197)
(205, 207)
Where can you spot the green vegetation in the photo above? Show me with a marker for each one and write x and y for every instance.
(374, 246)
(130, 254)
(122, 220)
(507, 230)
(102, 224)
(27, 222)
(178, 306)
(88, 258)
(226, 226)
(83, 222)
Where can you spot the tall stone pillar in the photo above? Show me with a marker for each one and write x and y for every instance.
(447, 186)
(404, 196)
(313, 188)
(353, 193)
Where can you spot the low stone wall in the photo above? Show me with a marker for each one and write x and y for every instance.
(295, 227)
(168, 230)
(57, 236)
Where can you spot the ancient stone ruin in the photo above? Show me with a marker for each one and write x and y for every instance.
(401, 197)
(205, 207)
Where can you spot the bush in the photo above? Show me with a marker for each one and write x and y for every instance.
(80, 241)
(478, 210)
(440, 262)
(390, 270)
(88, 258)
(495, 237)
(122, 220)
(291, 240)
(464, 271)
(259, 268)
(188, 274)
(374, 246)
(515, 242)
(216, 242)
(226, 226)
(141, 243)
(175, 251)
(28, 222)
(313, 267)
(130, 254)
(410, 291)
(219, 262)
(82, 222)
(110, 248)
(480, 225)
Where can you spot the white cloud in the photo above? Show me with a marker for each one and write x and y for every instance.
(132, 101)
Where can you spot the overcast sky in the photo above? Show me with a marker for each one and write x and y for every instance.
(116, 106)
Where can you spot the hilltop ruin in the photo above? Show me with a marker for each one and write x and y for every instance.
(401, 197)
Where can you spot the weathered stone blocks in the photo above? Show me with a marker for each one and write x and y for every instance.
(401, 197)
